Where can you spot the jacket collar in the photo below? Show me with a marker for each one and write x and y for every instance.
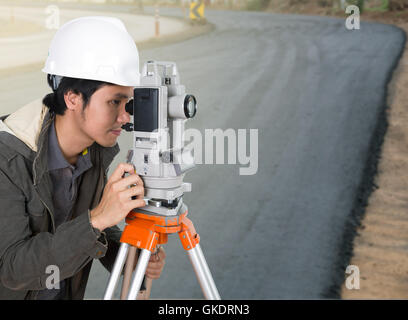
(26, 123)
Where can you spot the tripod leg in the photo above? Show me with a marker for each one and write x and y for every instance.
(127, 276)
(116, 271)
(203, 273)
(191, 243)
(145, 294)
(139, 273)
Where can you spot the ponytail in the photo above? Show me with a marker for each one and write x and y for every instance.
(51, 102)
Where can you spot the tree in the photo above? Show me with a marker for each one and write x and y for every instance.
(358, 3)
(395, 5)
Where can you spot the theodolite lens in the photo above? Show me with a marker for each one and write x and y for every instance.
(129, 107)
(190, 106)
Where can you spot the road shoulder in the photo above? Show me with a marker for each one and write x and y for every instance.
(380, 249)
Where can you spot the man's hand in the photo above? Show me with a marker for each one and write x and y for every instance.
(116, 200)
(156, 264)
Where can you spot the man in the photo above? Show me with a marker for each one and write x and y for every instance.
(58, 209)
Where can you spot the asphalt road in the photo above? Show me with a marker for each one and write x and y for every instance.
(314, 91)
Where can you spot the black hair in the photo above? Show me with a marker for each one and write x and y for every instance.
(86, 88)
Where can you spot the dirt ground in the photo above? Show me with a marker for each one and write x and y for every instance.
(380, 249)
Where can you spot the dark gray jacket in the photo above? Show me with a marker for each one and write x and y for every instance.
(28, 239)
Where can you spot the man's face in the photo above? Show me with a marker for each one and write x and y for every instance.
(105, 114)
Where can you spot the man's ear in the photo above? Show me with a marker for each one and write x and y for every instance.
(73, 100)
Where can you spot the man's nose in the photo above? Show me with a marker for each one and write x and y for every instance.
(123, 117)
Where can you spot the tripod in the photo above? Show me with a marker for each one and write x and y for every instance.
(145, 231)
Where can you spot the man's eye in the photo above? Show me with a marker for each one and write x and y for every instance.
(115, 102)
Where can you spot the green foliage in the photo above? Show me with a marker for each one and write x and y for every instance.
(381, 8)
(257, 5)
(358, 3)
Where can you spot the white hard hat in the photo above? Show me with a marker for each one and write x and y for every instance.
(94, 48)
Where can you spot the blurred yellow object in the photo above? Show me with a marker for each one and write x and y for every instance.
(197, 10)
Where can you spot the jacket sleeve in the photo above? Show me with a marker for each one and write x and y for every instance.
(25, 258)
(113, 235)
